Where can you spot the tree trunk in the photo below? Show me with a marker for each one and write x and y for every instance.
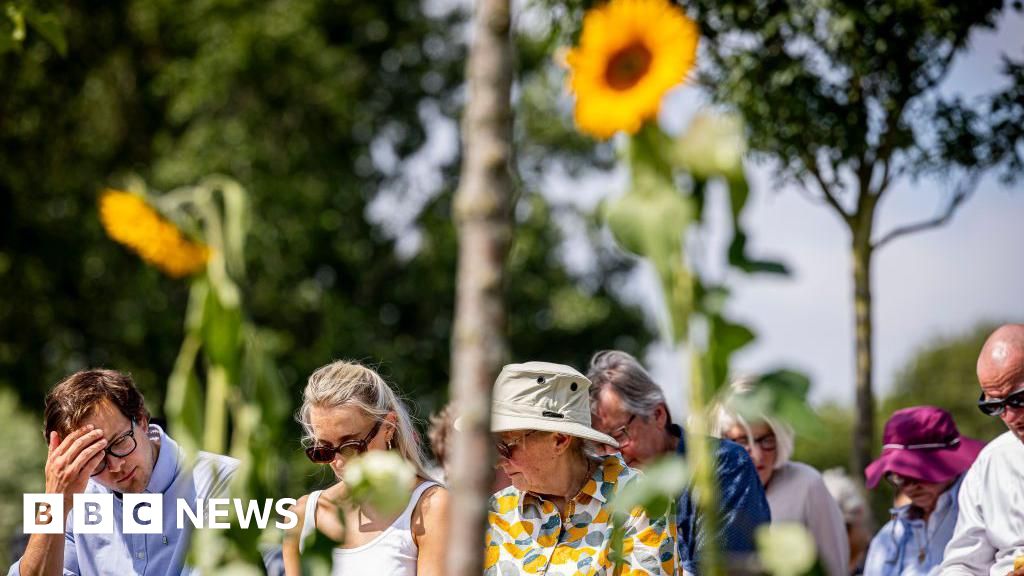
(864, 427)
(482, 212)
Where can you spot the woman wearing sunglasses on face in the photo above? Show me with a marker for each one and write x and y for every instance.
(924, 457)
(555, 519)
(348, 409)
(796, 492)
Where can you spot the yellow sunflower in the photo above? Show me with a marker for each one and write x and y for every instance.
(631, 52)
(130, 221)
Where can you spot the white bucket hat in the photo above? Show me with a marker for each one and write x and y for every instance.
(544, 396)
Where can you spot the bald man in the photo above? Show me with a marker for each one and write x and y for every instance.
(989, 533)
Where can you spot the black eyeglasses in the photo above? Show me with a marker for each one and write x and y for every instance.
(505, 449)
(121, 447)
(323, 452)
(768, 442)
(996, 407)
(621, 434)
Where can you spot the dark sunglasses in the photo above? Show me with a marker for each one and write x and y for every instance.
(899, 481)
(120, 447)
(323, 452)
(996, 407)
(505, 449)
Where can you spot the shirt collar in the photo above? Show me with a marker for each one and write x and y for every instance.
(677, 431)
(605, 473)
(167, 462)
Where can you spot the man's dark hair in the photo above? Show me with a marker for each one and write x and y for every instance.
(73, 400)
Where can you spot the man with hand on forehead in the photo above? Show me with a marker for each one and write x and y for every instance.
(101, 441)
(989, 535)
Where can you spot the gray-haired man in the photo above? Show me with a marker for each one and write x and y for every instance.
(627, 405)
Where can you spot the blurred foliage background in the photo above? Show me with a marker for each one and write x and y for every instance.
(315, 107)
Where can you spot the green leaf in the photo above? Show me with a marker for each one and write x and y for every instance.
(221, 331)
(712, 145)
(17, 18)
(739, 191)
(655, 489)
(49, 27)
(650, 220)
(184, 405)
(724, 339)
(781, 394)
(649, 164)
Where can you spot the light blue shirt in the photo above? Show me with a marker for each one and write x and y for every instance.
(908, 546)
(119, 554)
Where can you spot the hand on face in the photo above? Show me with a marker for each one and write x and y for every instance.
(71, 460)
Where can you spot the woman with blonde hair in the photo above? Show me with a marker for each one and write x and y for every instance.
(347, 410)
(796, 492)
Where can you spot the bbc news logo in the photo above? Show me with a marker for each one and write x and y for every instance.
(144, 513)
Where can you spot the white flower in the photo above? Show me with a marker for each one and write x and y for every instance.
(786, 548)
(381, 479)
(713, 145)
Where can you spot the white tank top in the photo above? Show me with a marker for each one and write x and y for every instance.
(392, 552)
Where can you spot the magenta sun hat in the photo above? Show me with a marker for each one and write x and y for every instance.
(923, 442)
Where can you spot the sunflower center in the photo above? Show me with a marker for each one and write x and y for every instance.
(627, 66)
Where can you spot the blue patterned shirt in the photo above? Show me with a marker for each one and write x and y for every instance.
(743, 505)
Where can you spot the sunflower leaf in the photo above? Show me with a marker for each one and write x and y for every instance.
(651, 218)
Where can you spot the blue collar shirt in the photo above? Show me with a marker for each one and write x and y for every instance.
(118, 554)
(742, 502)
(909, 546)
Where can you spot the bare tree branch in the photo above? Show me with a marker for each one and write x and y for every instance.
(826, 189)
(962, 193)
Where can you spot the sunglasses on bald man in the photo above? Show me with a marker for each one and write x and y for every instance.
(997, 406)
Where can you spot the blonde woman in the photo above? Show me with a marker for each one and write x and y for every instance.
(796, 492)
(347, 410)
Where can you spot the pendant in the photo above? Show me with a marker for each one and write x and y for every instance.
(920, 556)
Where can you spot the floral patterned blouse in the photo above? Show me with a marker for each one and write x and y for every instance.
(526, 534)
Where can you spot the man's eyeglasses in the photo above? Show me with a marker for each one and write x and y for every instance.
(899, 481)
(505, 449)
(996, 407)
(323, 452)
(120, 447)
(767, 443)
(621, 434)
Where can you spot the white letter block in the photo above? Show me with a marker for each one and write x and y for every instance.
(94, 513)
(143, 513)
(43, 514)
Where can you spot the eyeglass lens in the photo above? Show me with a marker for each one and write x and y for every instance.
(121, 447)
